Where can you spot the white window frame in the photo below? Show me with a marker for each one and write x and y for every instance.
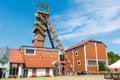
(79, 61)
(30, 49)
(76, 52)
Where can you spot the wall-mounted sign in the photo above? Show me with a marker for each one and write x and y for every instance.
(14, 65)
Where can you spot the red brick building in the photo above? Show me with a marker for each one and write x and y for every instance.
(86, 55)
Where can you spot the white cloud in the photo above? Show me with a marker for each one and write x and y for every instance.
(117, 41)
(88, 18)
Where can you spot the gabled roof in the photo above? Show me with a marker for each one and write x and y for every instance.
(83, 42)
(38, 63)
(115, 65)
(16, 56)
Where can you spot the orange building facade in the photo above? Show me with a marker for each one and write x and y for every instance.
(86, 55)
(31, 61)
(35, 60)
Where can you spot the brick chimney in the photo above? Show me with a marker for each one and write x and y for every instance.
(39, 39)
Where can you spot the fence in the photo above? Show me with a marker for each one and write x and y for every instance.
(114, 76)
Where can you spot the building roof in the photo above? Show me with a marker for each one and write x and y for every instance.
(38, 63)
(83, 42)
(16, 56)
(115, 65)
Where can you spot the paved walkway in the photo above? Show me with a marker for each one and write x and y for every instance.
(75, 77)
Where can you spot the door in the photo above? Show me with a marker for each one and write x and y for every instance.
(34, 73)
(47, 72)
(2, 72)
(25, 73)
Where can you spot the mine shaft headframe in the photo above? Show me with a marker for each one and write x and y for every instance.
(43, 5)
(43, 15)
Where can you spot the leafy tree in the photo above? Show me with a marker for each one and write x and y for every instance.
(107, 69)
(112, 57)
(101, 66)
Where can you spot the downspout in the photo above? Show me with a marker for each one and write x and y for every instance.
(85, 58)
(73, 61)
(96, 55)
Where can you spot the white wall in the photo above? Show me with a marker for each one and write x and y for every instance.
(51, 72)
(29, 72)
(20, 72)
(40, 72)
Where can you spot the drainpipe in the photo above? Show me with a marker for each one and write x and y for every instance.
(85, 59)
(73, 61)
(96, 55)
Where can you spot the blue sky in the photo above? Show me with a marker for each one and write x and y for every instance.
(73, 20)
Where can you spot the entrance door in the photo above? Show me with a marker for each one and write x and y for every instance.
(47, 72)
(25, 73)
(34, 73)
(2, 72)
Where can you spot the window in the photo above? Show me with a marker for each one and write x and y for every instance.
(14, 71)
(116, 69)
(47, 70)
(29, 51)
(79, 62)
(76, 53)
(103, 61)
(92, 62)
(33, 70)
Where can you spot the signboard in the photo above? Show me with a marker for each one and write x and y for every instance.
(14, 65)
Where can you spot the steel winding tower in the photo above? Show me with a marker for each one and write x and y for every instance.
(43, 26)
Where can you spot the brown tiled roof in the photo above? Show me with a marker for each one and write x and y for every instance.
(83, 42)
(16, 56)
(38, 63)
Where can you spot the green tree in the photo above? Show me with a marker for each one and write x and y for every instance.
(101, 66)
(112, 57)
